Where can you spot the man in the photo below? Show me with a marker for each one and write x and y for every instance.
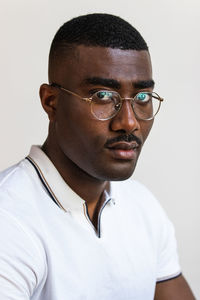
(71, 225)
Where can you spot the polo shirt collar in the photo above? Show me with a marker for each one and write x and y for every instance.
(58, 189)
(63, 195)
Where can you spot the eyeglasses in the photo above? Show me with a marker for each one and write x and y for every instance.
(106, 104)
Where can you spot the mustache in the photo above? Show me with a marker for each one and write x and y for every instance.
(124, 138)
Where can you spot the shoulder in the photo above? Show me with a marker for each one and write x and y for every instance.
(15, 176)
(141, 210)
(18, 238)
(19, 188)
(20, 209)
(19, 195)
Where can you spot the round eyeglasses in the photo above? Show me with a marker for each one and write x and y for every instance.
(106, 104)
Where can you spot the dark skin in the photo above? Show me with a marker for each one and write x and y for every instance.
(77, 143)
(76, 140)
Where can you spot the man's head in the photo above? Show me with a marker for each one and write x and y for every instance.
(88, 54)
(101, 30)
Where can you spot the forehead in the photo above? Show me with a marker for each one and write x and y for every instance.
(122, 65)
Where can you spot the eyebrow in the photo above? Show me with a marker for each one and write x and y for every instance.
(144, 84)
(112, 83)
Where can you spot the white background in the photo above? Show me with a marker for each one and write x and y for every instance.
(169, 164)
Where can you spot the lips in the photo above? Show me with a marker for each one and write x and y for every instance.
(123, 150)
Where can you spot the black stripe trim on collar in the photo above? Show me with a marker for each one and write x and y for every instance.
(41, 176)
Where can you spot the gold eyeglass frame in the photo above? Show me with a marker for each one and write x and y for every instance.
(89, 100)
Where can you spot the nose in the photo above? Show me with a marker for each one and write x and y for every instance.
(125, 121)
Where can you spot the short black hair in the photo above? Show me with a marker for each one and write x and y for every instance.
(99, 29)
(96, 29)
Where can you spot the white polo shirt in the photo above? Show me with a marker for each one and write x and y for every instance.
(49, 249)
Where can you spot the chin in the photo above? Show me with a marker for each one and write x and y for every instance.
(118, 173)
(120, 176)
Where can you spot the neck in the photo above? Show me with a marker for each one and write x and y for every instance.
(87, 187)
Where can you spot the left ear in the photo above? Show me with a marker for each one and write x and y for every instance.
(49, 100)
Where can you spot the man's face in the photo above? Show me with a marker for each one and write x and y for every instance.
(105, 150)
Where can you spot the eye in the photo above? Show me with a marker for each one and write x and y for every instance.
(143, 97)
(104, 95)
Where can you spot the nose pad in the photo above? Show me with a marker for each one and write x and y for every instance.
(125, 120)
(118, 106)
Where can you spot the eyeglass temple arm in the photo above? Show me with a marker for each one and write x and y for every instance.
(159, 98)
(69, 92)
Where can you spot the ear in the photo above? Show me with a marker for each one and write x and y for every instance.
(49, 100)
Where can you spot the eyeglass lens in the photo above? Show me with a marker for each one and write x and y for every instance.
(106, 104)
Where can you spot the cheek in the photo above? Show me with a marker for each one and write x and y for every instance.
(70, 117)
(78, 131)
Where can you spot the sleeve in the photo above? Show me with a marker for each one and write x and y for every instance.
(22, 267)
(168, 266)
